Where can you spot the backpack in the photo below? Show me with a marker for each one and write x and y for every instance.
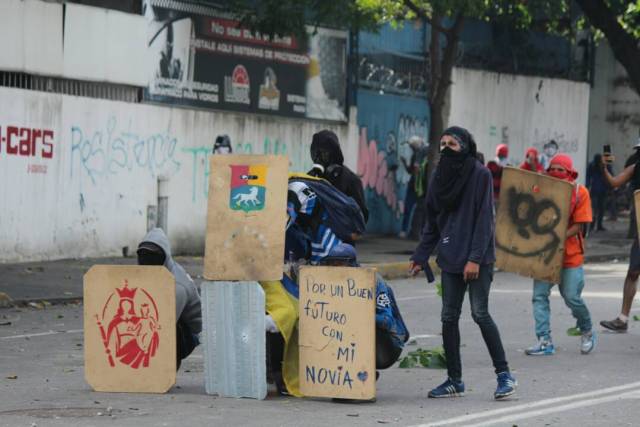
(388, 315)
(343, 215)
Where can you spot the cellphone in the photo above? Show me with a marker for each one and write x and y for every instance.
(606, 149)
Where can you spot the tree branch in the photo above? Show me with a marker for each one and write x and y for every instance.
(624, 45)
(422, 15)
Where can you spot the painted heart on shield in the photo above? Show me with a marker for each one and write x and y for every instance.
(363, 375)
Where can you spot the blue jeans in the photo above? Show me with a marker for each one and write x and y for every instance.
(570, 286)
(453, 290)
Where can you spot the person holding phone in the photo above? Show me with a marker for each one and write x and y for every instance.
(461, 224)
(630, 174)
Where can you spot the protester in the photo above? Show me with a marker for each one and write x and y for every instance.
(495, 167)
(531, 162)
(598, 189)
(156, 250)
(460, 224)
(329, 164)
(319, 217)
(631, 174)
(417, 185)
(311, 239)
(572, 280)
(222, 145)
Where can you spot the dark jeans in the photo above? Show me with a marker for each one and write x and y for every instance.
(386, 352)
(453, 290)
(598, 203)
(186, 342)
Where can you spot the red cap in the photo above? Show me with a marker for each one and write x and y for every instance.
(566, 162)
(532, 151)
(502, 150)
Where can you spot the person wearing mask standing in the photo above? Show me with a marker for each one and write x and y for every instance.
(460, 224)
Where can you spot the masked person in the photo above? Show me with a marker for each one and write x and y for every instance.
(329, 164)
(155, 250)
(531, 162)
(631, 174)
(460, 224)
(572, 279)
(222, 145)
(496, 166)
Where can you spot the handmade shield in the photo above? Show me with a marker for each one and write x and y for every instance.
(233, 325)
(337, 332)
(246, 217)
(532, 220)
(130, 328)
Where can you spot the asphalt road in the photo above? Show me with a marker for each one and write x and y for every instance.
(42, 383)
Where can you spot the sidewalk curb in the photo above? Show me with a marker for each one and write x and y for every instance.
(388, 270)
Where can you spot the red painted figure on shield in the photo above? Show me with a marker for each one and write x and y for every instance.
(132, 333)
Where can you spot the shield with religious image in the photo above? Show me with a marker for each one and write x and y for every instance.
(129, 314)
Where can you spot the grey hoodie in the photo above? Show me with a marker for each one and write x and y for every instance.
(188, 309)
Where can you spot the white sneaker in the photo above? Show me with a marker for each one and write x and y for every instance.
(588, 342)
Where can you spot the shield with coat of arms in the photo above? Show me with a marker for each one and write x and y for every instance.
(248, 187)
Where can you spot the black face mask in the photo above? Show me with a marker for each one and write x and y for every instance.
(146, 257)
(449, 152)
(321, 157)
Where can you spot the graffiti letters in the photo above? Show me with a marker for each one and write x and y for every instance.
(372, 167)
(108, 151)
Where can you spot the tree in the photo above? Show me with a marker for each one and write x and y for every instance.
(445, 17)
(619, 21)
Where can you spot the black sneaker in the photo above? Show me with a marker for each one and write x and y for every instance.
(615, 325)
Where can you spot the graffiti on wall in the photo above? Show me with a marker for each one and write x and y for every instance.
(540, 141)
(199, 161)
(381, 167)
(114, 148)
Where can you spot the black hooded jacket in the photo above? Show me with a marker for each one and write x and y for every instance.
(325, 151)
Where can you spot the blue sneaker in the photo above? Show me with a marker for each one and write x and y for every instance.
(449, 388)
(544, 347)
(588, 342)
(506, 385)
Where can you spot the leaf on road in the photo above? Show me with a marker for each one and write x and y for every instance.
(574, 332)
(426, 358)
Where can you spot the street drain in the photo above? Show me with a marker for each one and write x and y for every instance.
(62, 412)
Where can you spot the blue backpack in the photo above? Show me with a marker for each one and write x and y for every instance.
(344, 216)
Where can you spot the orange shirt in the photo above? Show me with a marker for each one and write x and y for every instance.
(574, 245)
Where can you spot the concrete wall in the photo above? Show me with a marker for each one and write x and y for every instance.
(79, 174)
(386, 123)
(521, 112)
(73, 41)
(614, 109)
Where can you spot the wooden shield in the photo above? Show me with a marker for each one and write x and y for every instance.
(531, 224)
(246, 217)
(337, 332)
(129, 328)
